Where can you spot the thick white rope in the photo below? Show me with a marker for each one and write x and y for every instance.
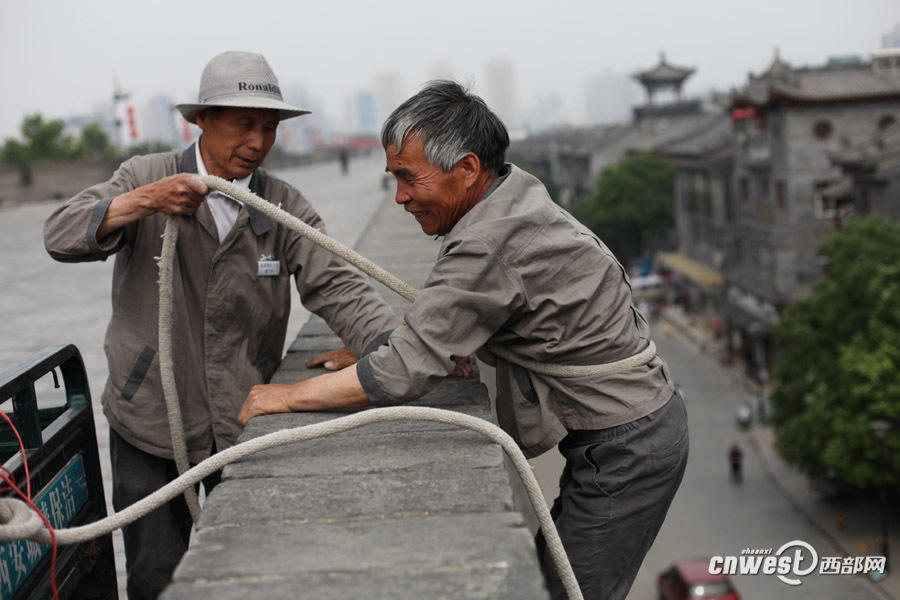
(404, 289)
(311, 233)
(166, 368)
(176, 426)
(19, 522)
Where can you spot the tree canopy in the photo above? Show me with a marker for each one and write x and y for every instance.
(148, 148)
(549, 184)
(47, 141)
(839, 361)
(632, 204)
(95, 143)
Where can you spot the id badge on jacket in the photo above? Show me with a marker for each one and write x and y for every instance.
(268, 267)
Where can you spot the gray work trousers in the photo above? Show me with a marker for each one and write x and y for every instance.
(155, 543)
(614, 493)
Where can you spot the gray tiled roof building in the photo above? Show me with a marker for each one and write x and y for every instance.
(788, 124)
(758, 186)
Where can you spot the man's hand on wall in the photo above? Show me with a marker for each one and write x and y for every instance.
(334, 360)
(463, 366)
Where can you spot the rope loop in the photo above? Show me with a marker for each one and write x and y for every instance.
(18, 521)
(14, 529)
(404, 289)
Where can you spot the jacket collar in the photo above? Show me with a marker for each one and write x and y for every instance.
(259, 222)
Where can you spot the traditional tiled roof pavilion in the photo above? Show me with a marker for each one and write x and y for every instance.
(663, 76)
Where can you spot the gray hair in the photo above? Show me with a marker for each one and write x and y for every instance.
(451, 121)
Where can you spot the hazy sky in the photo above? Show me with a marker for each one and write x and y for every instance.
(59, 58)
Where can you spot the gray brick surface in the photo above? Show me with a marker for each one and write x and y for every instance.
(417, 543)
(480, 582)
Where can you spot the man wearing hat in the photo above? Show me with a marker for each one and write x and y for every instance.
(231, 294)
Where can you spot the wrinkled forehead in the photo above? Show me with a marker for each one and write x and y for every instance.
(411, 149)
(413, 138)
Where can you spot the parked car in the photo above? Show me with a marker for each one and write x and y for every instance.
(691, 580)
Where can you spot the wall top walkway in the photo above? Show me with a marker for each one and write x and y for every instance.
(392, 510)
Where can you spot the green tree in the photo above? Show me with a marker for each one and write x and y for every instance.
(148, 148)
(17, 154)
(839, 361)
(632, 204)
(95, 143)
(46, 140)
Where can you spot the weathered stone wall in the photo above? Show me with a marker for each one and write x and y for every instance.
(57, 180)
(62, 180)
(810, 163)
(778, 262)
(395, 510)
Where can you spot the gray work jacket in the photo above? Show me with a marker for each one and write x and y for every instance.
(230, 320)
(518, 271)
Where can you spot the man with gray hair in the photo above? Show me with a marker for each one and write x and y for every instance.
(231, 294)
(517, 272)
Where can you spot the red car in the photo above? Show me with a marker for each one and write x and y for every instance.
(690, 580)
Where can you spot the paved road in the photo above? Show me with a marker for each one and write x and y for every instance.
(45, 303)
(711, 516)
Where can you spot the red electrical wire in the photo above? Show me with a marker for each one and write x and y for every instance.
(6, 488)
(8, 479)
(24, 459)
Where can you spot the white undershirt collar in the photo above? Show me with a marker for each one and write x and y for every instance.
(224, 209)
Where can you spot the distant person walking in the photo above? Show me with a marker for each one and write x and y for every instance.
(735, 459)
(345, 161)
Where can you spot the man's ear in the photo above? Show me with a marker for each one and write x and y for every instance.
(470, 166)
(203, 118)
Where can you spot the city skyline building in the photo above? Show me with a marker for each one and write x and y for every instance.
(158, 120)
(501, 91)
(361, 114)
(310, 131)
(608, 98)
(442, 69)
(891, 39)
(390, 92)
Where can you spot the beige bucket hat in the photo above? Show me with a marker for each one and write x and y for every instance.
(240, 79)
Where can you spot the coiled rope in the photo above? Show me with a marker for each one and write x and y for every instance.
(19, 522)
(166, 368)
(22, 523)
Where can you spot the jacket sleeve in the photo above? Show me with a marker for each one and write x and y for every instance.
(336, 291)
(70, 233)
(469, 295)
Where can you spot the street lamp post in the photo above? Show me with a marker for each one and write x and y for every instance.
(880, 430)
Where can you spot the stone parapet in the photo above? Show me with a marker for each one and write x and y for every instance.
(405, 509)
(53, 180)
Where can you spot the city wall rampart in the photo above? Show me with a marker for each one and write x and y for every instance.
(62, 180)
(55, 180)
(403, 509)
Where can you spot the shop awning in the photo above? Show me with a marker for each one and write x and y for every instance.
(688, 267)
(839, 189)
